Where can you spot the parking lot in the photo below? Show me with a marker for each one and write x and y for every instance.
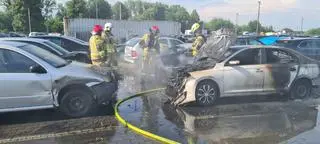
(248, 119)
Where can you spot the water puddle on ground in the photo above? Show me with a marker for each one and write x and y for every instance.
(254, 122)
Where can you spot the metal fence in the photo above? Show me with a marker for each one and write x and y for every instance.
(122, 29)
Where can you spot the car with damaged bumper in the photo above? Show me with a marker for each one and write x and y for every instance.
(257, 70)
(32, 78)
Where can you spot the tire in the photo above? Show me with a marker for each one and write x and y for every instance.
(301, 89)
(77, 103)
(207, 93)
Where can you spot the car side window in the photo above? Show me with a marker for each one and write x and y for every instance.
(56, 41)
(241, 42)
(45, 48)
(277, 56)
(68, 45)
(17, 63)
(305, 44)
(253, 42)
(248, 57)
(316, 44)
(3, 68)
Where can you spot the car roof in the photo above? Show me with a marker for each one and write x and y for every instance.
(24, 39)
(299, 39)
(11, 44)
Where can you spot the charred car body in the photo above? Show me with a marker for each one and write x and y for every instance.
(32, 78)
(221, 71)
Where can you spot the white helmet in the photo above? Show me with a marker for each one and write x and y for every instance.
(108, 26)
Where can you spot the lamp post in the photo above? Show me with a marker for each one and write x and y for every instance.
(258, 19)
(236, 29)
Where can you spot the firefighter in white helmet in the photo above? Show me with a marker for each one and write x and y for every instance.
(111, 53)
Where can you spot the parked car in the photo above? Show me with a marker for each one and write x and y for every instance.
(308, 46)
(248, 40)
(168, 50)
(69, 43)
(36, 34)
(255, 70)
(46, 81)
(54, 49)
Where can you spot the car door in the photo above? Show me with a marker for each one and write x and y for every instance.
(22, 88)
(317, 49)
(243, 74)
(281, 69)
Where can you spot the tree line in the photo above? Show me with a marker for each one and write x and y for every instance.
(47, 15)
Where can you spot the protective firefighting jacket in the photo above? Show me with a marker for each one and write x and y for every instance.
(96, 48)
(197, 44)
(108, 42)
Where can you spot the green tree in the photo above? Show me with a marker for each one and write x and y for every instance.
(135, 7)
(252, 26)
(315, 31)
(37, 20)
(76, 8)
(62, 12)
(55, 25)
(179, 14)
(103, 7)
(219, 23)
(47, 8)
(18, 12)
(194, 16)
(6, 21)
(125, 14)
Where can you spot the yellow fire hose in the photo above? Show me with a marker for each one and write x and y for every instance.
(136, 129)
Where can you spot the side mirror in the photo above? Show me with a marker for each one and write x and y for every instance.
(37, 69)
(234, 62)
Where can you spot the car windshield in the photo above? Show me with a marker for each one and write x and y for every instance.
(56, 47)
(132, 42)
(46, 56)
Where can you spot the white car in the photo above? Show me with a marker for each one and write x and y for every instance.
(168, 48)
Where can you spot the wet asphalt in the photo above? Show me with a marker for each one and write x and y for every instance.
(254, 119)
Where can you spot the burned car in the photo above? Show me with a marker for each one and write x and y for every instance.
(221, 71)
(32, 78)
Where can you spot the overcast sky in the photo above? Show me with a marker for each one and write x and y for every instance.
(279, 13)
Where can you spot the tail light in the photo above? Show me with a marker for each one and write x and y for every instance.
(134, 53)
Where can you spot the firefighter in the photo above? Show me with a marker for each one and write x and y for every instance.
(97, 52)
(200, 39)
(111, 54)
(150, 42)
(151, 47)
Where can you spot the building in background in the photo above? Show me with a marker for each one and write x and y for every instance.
(122, 30)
